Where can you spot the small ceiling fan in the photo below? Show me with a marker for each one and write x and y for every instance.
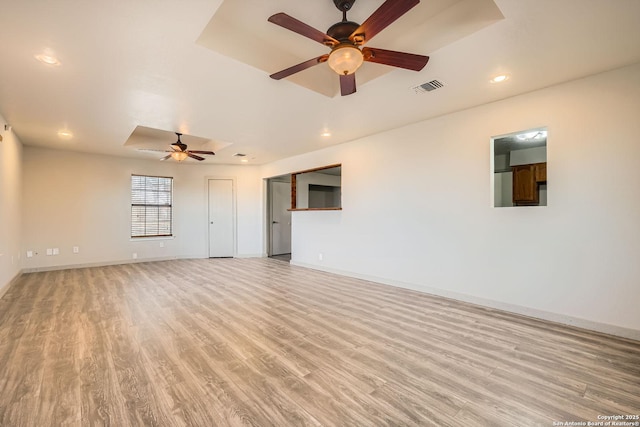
(179, 151)
(345, 39)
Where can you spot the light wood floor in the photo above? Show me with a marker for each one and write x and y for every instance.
(259, 342)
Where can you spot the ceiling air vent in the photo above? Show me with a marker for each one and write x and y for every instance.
(429, 86)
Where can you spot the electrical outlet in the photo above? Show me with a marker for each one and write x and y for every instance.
(76, 249)
(29, 254)
(56, 251)
(49, 251)
(135, 255)
(319, 257)
(162, 244)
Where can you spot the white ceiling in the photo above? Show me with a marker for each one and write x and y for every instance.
(503, 144)
(144, 63)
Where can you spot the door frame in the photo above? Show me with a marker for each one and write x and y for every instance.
(268, 247)
(234, 211)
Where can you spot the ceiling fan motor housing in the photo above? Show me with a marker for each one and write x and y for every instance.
(342, 30)
(180, 145)
(344, 5)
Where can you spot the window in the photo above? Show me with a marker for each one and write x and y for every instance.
(151, 209)
(317, 189)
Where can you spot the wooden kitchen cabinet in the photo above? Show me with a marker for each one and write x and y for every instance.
(525, 187)
(526, 181)
(540, 172)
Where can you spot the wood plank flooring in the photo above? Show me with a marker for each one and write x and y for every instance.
(259, 342)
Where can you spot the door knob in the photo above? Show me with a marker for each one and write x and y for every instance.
(274, 222)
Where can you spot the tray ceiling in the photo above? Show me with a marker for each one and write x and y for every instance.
(241, 31)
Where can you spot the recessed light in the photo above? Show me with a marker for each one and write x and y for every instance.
(48, 58)
(500, 78)
(65, 134)
(245, 160)
(326, 134)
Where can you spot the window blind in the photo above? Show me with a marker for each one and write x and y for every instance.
(151, 209)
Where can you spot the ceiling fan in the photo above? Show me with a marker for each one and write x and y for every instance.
(179, 151)
(345, 39)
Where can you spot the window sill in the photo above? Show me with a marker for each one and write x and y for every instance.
(150, 238)
(314, 209)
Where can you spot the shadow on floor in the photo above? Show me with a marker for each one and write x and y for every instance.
(282, 257)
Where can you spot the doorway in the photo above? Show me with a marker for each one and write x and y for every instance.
(221, 218)
(279, 217)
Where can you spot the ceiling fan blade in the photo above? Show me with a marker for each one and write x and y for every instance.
(384, 16)
(302, 66)
(165, 157)
(347, 84)
(410, 61)
(211, 153)
(193, 156)
(291, 23)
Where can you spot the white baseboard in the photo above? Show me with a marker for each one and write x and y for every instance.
(604, 328)
(97, 264)
(250, 256)
(128, 261)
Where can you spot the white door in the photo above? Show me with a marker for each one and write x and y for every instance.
(221, 224)
(280, 218)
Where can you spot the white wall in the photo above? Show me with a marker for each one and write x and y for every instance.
(503, 189)
(501, 162)
(74, 199)
(425, 220)
(528, 156)
(10, 200)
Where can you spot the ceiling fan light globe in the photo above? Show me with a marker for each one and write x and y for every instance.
(179, 155)
(345, 59)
